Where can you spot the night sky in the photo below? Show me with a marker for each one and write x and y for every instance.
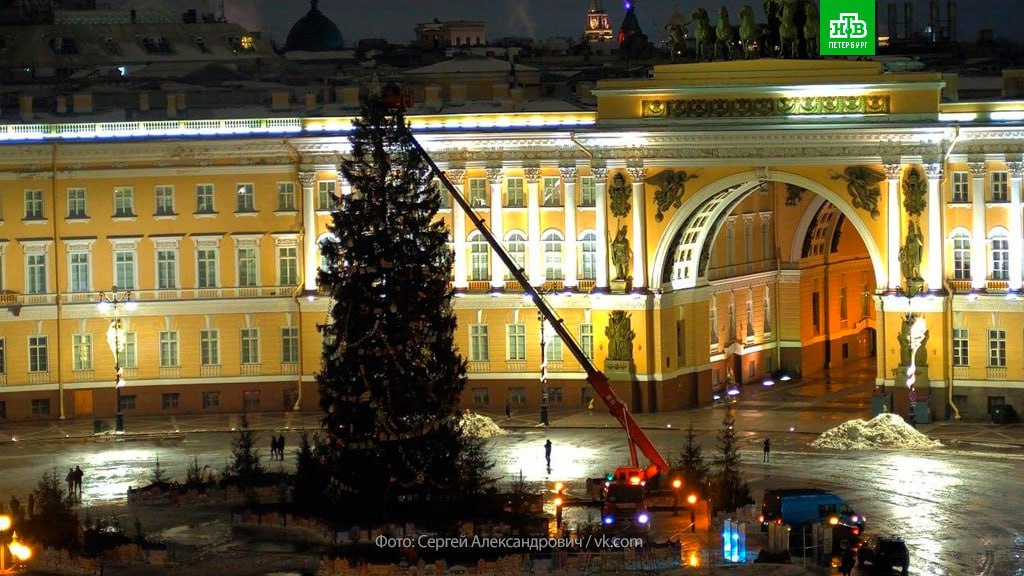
(539, 19)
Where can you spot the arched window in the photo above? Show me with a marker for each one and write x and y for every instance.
(999, 255)
(515, 244)
(961, 255)
(479, 257)
(713, 322)
(552, 255)
(588, 253)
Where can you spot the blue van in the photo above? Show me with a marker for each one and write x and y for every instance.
(798, 507)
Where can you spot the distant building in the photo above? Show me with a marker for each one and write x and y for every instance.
(597, 29)
(437, 34)
(314, 32)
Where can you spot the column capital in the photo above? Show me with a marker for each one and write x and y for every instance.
(456, 176)
(933, 171)
(532, 174)
(748, 219)
(306, 178)
(600, 174)
(637, 173)
(977, 169)
(766, 216)
(494, 174)
(568, 173)
(1016, 169)
(893, 171)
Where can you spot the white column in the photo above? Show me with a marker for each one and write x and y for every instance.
(571, 257)
(637, 174)
(310, 254)
(979, 252)
(494, 177)
(457, 176)
(936, 255)
(535, 256)
(1016, 231)
(894, 214)
(344, 185)
(600, 174)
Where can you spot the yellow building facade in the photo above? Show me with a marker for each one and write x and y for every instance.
(747, 218)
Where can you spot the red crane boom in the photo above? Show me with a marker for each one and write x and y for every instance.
(638, 440)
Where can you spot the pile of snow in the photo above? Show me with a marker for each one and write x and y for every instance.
(883, 431)
(480, 426)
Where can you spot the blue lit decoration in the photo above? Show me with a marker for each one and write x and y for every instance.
(734, 541)
(628, 5)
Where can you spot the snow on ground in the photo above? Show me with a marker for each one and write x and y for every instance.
(883, 431)
(480, 426)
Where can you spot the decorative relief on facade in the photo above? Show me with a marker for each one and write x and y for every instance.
(794, 194)
(671, 188)
(914, 191)
(619, 194)
(307, 179)
(620, 338)
(863, 185)
(759, 107)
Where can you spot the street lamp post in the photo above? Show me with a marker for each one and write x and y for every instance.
(111, 302)
(19, 552)
(543, 374)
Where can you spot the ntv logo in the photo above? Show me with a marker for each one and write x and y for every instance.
(848, 25)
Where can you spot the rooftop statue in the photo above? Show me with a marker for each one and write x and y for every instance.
(705, 35)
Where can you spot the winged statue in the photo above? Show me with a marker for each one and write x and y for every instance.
(863, 185)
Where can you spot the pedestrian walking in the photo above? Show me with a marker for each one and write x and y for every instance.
(70, 479)
(280, 447)
(508, 409)
(547, 453)
(273, 447)
(15, 510)
(767, 449)
(31, 505)
(78, 481)
(847, 562)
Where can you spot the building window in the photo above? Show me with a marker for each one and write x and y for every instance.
(204, 199)
(247, 267)
(76, 203)
(40, 406)
(38, 355)
(325, 194)
(553, 349)
(444, 197)
(478, 343)
(289, 398)
(35, 281)
(681, 342)
(555, 395)
(960, 188)
(730, 243)
(816, 312)
(3, 409)
(514, 196)
(211, 399)
(961, 255)
(865, 301)
(515, 244)
(170, 400)
(479, 257)
(250, 346)
(750, 319)
(552, 191)
(552, 255)
(960, 347)
(481, 397)
(748, 239)
(169, 350)
(713, 322)
(999, 180)
(588, 193)
(246, 198)
(33, 204)
(285, 197)
(127, 402)
(517, 342)
(999, 255)
(766, 239)
(124, 269)
(767, 312)
(586, 395)
(843, 314)
(997, 348)
(166, 269)
(290, 345)
(588, 253)
(517, 396)
(587, 340)
(478, 192)
(206, 268)
(165, 200)
(250, 399)
(128, 357)
(79, 273)
(287, 265)
(209, 351)
(81, 351)
(124, 202)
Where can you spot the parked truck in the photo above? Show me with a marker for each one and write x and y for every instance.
(799, 507)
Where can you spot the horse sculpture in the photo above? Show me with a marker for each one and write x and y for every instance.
(750, 32)
(725, 34)
(811, 28)
(677, 37)
(789, 34)
(705, 34)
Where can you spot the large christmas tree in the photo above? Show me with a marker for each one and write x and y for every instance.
(391, 378)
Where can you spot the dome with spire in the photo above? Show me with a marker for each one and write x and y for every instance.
(314, 32)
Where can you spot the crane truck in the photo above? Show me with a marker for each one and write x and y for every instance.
(632, 474)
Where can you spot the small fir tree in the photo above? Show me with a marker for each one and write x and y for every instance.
(391, 378)
(310, 475)
(245, 456)
(159, 475)
(691, 463)
(194, 474)
(53, 523)
(475, 464)
(729, 491)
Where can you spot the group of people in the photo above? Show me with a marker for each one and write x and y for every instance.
(277, 447)
(18, 513)
(74, 480)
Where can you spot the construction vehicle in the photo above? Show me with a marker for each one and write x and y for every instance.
(632, 474)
